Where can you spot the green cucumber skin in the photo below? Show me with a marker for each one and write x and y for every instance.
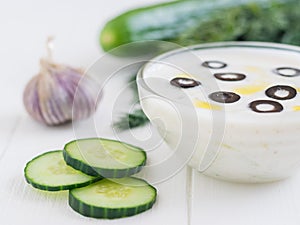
(193, 22)
(102, 172)
(104, 213)
(108, 213)
(55, 188)
(61, 188)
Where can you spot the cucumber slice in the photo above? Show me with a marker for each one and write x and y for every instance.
(113, 198)
(50, 172)
(107, 158)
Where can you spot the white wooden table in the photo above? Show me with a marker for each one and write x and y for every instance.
(25, 26)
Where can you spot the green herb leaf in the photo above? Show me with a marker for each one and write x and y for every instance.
(132, 120)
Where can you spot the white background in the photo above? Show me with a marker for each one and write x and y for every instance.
(76, 24)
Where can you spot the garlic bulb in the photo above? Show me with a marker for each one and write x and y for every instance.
(59, 93)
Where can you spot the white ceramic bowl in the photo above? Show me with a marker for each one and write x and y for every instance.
(230, 141)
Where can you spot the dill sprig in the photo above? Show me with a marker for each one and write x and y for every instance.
(131, 120)
(136, 118)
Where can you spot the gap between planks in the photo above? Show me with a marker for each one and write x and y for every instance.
(10, 137)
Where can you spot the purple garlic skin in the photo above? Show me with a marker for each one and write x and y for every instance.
(60, 94)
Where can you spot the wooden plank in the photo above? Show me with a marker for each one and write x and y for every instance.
(219, 202)
(21, 204)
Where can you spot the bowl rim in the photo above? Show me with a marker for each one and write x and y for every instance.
(225, 44)
(212, 45)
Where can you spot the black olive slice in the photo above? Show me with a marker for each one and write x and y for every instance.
(272, 106)
(230, 76)
(281, 92)
(184, 82)
(224, 97)
(287, 71)
(214, 64)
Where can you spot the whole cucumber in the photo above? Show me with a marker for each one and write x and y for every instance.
(197, 21)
